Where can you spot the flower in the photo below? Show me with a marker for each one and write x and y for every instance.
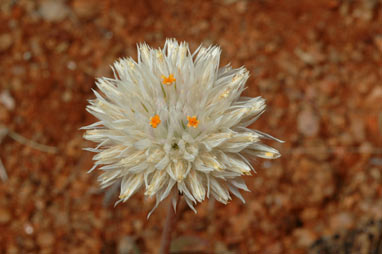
(174, 122)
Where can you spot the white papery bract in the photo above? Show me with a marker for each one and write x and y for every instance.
(173, 122)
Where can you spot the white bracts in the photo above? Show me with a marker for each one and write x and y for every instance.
(173, 122)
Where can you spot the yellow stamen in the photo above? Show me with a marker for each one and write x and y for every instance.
(225, 94)
(168, 80)
(268, 154)
(192, 121)
(155, 121)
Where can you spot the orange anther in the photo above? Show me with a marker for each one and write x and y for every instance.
(168, 80)
(154, 121)
(192, 121)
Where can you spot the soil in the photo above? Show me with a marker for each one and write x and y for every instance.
(317, 63)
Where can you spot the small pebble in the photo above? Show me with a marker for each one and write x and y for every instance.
(7, 100)
(45, 239)
(72, 65)
(5, 42)
(304, 237)
(5, 216)
(308, 123)
(86, 9)
(28, 229)
(378, 43)
(53, 10)
(127, 245)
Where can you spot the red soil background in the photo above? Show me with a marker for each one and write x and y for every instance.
(317, 63)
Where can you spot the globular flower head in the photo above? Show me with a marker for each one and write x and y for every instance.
(175, 122)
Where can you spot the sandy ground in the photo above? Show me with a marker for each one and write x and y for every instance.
(317, 63)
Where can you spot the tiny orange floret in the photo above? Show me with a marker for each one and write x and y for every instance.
(192, 121)
(168, 80)
(154, 121)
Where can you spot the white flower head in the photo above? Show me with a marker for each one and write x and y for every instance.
(175, 122)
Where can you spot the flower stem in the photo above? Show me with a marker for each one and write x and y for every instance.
(169, 226)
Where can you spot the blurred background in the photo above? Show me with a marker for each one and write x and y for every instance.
(317, 63)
